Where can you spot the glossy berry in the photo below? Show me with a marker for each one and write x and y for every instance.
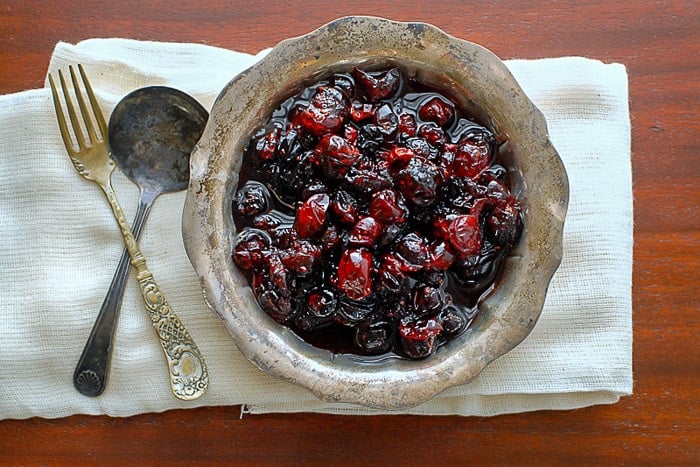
(251, 248)
(365, 232)
(378, 86)
(252, 199)
(325, 113)
(437, 110)
(312, 215)
(354, 273)
(388, 207)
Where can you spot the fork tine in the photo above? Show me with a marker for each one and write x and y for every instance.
(92, 136)
(99, 116)
(71, 111)
(61, 117)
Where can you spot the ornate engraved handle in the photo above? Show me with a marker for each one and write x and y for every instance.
(189, 377)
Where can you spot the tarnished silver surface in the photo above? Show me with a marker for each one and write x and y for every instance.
(482, 84)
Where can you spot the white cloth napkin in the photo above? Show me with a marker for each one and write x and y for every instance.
(61, 246)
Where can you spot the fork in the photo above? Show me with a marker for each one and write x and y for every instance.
(188, 373)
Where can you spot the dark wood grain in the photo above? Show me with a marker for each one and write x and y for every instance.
(658, 41)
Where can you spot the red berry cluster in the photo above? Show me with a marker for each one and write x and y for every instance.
(370, 209)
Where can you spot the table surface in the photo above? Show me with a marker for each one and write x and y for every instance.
(659, 42)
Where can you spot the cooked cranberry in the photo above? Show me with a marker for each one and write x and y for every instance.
(251, 248)
(252, 199)
(419, 181)
(322, 303)
(441, 256)
(325, 113)
(336, 155)
(279, 307)
(312, 215)
(301, 257)
(427, 298)
(386, 119)
(266, 144)
(407, 125)
(374, 337)
(503, 224)
(465, 235)
(437, 110)
(473, 156)
(360, 111)
(350, 134)
(433, 134)
(344, 207)
(412, 249)
(354, 273)
(453, 320)
(388, 207)
(418, 337)
(365, 232)
(378, 86)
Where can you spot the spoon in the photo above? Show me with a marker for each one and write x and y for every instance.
(152, 132)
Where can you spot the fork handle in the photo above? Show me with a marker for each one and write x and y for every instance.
(188, 373)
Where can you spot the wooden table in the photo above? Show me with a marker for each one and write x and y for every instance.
(659, 42)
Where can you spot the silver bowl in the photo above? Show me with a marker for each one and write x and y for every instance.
(483, 85)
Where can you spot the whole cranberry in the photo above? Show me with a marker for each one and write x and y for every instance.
(311, 216)
(419, 182)
(251, 248)
(437, 110)
(378, 86)
(325, 113)
(354, 273)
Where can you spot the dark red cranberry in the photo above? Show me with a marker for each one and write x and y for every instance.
(433, 134)
(418, 337)
(325, 113)
(312, 215)
(453, 320)
(252, 199)
(378, 86)
(301, 257)
(427, 299)
(374, 337)
(388, 207)
(361, 111)
(322, 303)
(335, 155)
(419, 182)
(465, 235)
(437, 110)
(503, 224)
(354, 273)
(386, 119)
(407, 125)
(279, 307)
(441, 256)
(344, 207)
(251, 248)
(412, 250)
(365, 232)
(473, 155)
(266, 144)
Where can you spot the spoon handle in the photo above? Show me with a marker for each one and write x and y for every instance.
(189, 377)
(92, 370)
